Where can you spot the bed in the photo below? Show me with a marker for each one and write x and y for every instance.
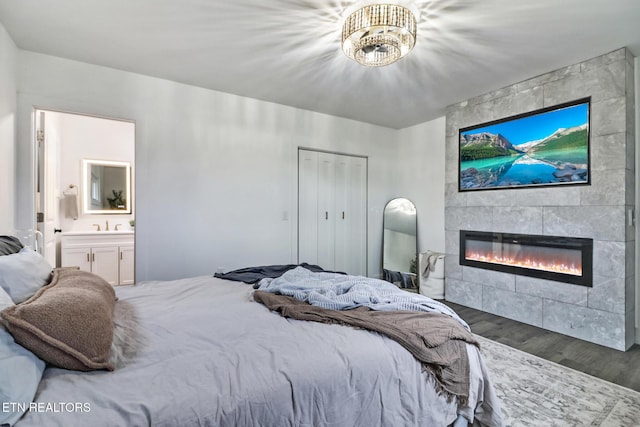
(202, 351)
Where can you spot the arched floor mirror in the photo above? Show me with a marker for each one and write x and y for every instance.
(400, 243)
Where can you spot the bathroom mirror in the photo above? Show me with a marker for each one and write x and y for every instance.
(106, 187)
(400, 243)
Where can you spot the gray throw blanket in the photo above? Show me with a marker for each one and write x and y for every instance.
(436, 340)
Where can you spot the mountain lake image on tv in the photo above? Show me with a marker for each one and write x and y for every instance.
(546, 147)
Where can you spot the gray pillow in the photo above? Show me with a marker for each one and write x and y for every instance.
(9, 245)
(20, 371)
(23, 273)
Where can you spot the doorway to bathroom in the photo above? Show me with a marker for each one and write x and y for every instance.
(81, 161)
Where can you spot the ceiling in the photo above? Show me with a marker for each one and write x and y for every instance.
(288, 51)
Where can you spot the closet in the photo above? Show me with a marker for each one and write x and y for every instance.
(332, 211)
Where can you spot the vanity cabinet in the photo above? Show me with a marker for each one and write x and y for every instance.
(109, 255)
(126, 264)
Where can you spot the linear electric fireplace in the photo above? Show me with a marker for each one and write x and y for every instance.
(564, 259)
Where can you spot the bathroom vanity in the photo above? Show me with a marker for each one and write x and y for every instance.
(109, 254)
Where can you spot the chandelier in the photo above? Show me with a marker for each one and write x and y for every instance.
(379, 34)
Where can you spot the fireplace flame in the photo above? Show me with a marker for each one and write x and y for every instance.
(530, 263)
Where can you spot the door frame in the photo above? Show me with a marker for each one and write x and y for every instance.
(296, 236)
(27, 102)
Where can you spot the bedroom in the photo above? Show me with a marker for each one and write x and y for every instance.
(191, 143)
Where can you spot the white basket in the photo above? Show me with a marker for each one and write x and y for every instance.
(431, 268)
(432, 288)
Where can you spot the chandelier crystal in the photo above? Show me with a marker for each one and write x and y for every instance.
(379, 34)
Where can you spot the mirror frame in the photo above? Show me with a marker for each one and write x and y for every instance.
(416, 235)
(86, 187)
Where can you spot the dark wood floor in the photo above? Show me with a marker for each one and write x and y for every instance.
(619, 367)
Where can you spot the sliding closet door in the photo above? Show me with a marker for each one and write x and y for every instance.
(308, 206)
(326, 212)
(342, 214)
(356, 227)
(332, 211)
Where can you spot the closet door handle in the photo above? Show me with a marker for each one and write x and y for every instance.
(93, 257)
(326, 215)
(120, 255)
(88, 259)
(342, 214)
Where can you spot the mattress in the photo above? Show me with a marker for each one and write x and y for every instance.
(210, 355)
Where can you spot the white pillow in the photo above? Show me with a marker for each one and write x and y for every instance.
(20, 372)
(5, 301)
(23, 273)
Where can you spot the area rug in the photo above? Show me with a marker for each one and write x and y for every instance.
(536, 392)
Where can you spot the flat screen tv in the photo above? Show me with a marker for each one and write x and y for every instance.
(546, 147)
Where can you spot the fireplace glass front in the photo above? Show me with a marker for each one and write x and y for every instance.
(564, 259)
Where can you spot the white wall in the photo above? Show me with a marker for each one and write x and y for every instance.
(8, 58)
(216, 173)
(420, 176)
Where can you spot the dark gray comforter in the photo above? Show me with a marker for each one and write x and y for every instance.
(213, 357)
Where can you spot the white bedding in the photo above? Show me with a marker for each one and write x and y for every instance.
(212, 356)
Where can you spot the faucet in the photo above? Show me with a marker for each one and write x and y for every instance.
(97, 225)
(107, 228)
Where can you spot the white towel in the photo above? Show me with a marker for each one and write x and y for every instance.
(429, 264)
(71, 205)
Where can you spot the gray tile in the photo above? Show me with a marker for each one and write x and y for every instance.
(608, 294)
(452, 267)
(467, 294)
(629, 56)
(630, 330)
(452, 121)
(463, 218)
(490, 198)
(494, 279)
(550, 196)
(609, 259)
(630, 254)
(599, 83)
(631, 150)
(453, 197)
(515, 219)
(553, 76)
(607, 188)
(493, 95)
(630, 96)
(512, 305)
(609, 116)
(597, 222)
(452, 242)
(451, 155)
(549, 289)
(608, 152)
(630, 294)
(630, 187)
(592, 325)
(604, 60)
(516, 103)
(630, 211)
